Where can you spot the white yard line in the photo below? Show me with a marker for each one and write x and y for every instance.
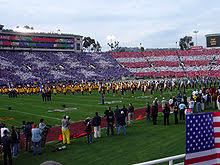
(35, 114)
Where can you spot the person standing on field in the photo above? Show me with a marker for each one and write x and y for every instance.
(96, 122)
(130, 113)
(65, 130)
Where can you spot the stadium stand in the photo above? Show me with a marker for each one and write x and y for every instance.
(39, 66)
(171, 62)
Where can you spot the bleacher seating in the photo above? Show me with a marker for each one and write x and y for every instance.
(171, 62)
(31, 66)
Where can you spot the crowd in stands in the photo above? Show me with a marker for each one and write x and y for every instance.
(37, 66)
(171, 62)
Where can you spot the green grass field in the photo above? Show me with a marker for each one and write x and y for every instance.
(31, 108)
(143, 141)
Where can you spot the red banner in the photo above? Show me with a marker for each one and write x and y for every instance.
(196, 47)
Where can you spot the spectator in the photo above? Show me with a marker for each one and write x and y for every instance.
(116, 112)
(163, 102)
(88, 130)
(109, 116)
(182, 108)
(154, 113)
(214, 101)
(171, 103)
(6, 143)
(27, 134)
(15, 141)
(130, 113)
(36, 139)
(42, 127)
(166, 113)
(184, 99)
(126, 113)
(203, 102)
(148, 111)
(198, 103)
(121, 122)
(65, 130)
(3, 129)
(191, 105)
(175, 109)
(96, 122)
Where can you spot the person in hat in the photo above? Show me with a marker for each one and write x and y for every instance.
(88, 129)
(36, 139)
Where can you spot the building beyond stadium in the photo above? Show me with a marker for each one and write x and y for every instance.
(13, 40)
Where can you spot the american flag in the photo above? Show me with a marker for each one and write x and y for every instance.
(203, 139)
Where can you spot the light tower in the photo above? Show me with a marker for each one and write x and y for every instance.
(196, 31)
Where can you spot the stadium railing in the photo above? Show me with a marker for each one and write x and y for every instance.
(163, 160)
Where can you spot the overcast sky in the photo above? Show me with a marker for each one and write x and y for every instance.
(154, 23)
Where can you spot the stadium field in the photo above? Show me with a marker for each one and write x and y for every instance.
(31, 107)
(143, 141)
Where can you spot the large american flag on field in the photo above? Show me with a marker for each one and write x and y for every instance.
(203, 139)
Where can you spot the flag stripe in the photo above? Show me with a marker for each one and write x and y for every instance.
(210, 162)
(217, 145)
(217, 140)
(216, 129)
(217, 134)
(216, 114)
(216, 119)
(216, 124)
(201, 159)
(202, 153)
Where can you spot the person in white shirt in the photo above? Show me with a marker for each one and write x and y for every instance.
(3, 129)
(163, 102)
(44, 133)
(191, 105)
(171, 104)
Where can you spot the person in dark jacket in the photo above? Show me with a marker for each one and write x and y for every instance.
(28, 135)
(88, 130)
(121, 122)
(154, 113)
(126, 113)
(148, 111)
(175, 110)
(15, 140)
(116, 112)
(166, 114)
(6, 143)
(96, 122)
(109, 116)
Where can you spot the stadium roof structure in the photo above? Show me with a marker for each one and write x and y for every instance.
(214, 34)
(10, 31)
